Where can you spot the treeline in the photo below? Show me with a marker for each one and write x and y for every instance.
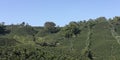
(49, 42)
(69, 31)
(72, 29)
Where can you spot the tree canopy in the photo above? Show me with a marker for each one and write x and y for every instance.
(71, 30)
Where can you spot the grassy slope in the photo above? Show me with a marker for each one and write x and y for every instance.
(102, 44)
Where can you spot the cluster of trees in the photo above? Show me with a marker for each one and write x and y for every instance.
(115, 20)
(50, 27)
(3, 29)
(73, 29)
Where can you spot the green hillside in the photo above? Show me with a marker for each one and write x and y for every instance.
(93, 39)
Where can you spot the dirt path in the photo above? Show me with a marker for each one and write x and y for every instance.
(88, 38)
(117, 38)
(86, 52)
(114, 33)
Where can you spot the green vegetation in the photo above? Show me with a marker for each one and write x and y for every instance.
(95, 39)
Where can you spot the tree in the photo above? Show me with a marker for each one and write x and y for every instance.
(90, 23)
(3, 29)
(116, 20)
(50, 27)
(71, 30)
(101, 19)
(22, 24)
(82, 24)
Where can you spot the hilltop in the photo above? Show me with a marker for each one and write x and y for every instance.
(95, 39)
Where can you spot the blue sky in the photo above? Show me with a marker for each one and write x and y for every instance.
(37, 12)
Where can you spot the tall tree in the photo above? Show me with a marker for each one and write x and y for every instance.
(3, 29)
(50, 27)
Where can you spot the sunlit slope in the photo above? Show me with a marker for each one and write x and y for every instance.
(23, 34)
(103, 45)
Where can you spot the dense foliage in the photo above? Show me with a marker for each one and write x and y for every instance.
(93, 39)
